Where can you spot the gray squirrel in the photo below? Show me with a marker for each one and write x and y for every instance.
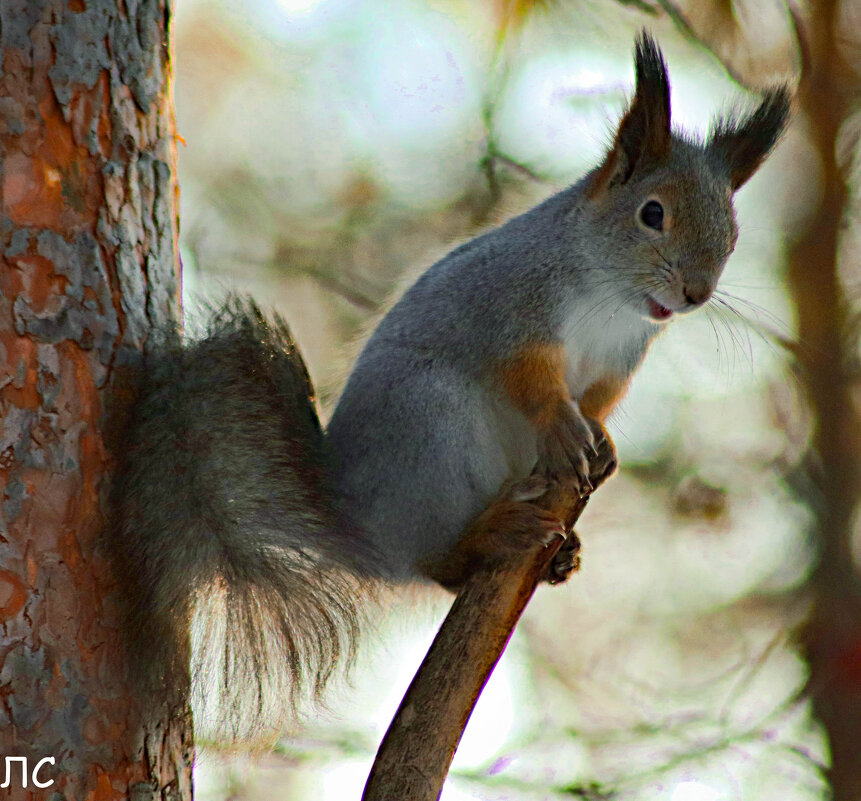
(489, 380)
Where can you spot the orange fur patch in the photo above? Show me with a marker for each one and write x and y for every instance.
(534, 380)
(602, 397)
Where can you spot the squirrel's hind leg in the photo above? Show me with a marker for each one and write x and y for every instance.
(512, 524)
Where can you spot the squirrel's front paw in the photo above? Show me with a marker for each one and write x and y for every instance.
(566, 450)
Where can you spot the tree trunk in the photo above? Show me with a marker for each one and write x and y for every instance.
(833, 634)
(88, 265)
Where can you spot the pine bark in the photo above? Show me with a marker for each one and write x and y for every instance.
(88, 267)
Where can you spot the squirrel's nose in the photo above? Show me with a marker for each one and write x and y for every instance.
(697, 293)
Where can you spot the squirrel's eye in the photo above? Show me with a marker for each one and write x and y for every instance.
(652, 215)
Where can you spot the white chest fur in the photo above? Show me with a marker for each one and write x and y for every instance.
(600, 340)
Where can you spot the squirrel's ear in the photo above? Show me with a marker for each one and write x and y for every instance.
(643, 136)
(741, 145)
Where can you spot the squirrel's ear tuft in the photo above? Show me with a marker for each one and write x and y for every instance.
(643, 136)
(742, 144)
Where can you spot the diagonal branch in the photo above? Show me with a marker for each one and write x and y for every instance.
(415, 755)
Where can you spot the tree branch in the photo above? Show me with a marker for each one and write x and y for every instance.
(414, 757)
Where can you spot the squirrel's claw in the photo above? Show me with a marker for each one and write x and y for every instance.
(566, 561)
(604, 462)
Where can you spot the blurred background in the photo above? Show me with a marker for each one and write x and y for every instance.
(710, 647)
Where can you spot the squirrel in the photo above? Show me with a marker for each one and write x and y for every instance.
(490, 379)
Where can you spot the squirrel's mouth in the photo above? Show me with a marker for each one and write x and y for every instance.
(658, 312)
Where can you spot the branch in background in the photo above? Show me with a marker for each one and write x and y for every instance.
(349, 293)
(321, 268)
(718, 27)
(488, 165)
(640, 5)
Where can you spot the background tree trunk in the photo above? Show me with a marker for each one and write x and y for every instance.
(833, 634)
(88, 265)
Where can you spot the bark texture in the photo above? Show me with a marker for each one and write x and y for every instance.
(833, 634)
(88, 266)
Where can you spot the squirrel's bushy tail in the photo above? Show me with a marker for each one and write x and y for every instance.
(226, 529)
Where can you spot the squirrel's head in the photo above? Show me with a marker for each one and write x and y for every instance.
(663, 202)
